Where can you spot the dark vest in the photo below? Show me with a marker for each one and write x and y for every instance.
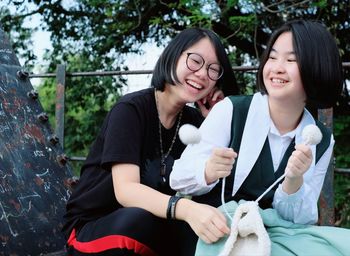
(262, 174)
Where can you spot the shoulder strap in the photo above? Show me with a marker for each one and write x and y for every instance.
(241, 105)
(326, 140)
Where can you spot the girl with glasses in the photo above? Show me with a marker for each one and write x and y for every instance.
(300, 71)
(123, 204)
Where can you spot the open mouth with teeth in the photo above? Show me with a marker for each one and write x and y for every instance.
(194, 85)
(278, 81)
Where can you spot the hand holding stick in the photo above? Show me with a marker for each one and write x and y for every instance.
(311, 135)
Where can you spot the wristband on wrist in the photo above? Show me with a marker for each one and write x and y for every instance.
(170, 212)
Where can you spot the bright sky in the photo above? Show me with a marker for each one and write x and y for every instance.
(142, 62)
(146, 61)
(41, 41)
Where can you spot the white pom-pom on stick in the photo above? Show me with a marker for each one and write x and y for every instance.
(189, 134)
(311, 135)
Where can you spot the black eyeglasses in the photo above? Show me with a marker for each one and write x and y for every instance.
(195, 62)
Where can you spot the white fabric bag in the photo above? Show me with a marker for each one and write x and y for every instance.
(248, 235)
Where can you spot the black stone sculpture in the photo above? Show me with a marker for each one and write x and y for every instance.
(34, 181)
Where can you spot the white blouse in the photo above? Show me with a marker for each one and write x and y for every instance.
(188, 178)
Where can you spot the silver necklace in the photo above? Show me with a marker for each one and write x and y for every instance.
(162, 155)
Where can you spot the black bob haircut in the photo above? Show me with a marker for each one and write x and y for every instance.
(165, 69)
(318, 60)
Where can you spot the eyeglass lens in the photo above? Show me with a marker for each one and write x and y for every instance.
(195, 62)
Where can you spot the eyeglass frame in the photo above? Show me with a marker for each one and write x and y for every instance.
(207, 68)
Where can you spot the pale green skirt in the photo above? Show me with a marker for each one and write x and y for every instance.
(288, 238)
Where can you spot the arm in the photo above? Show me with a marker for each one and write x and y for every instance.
(206, 221)
(131, 193)
(301, 206)
(188, 174)
(122, 147)
(207, 103)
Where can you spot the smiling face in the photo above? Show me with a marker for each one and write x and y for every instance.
(194, 85)
(281, 74)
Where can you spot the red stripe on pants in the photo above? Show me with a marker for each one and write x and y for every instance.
(107, 243)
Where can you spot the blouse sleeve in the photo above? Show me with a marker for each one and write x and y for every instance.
(301, 207)
(187, 176)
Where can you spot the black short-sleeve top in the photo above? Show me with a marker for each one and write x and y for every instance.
(129, 134)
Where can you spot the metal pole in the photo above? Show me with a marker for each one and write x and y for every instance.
(326, 200)
(60, 97)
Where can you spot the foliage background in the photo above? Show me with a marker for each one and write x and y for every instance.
(93, 35)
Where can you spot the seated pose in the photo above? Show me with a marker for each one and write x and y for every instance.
(253, 140)
(123, 204)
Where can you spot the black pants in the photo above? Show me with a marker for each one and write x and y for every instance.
(133, 231)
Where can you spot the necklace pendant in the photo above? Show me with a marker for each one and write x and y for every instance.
(163, 172)
(162, 169)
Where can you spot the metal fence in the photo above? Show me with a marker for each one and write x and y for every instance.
(324, 115)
